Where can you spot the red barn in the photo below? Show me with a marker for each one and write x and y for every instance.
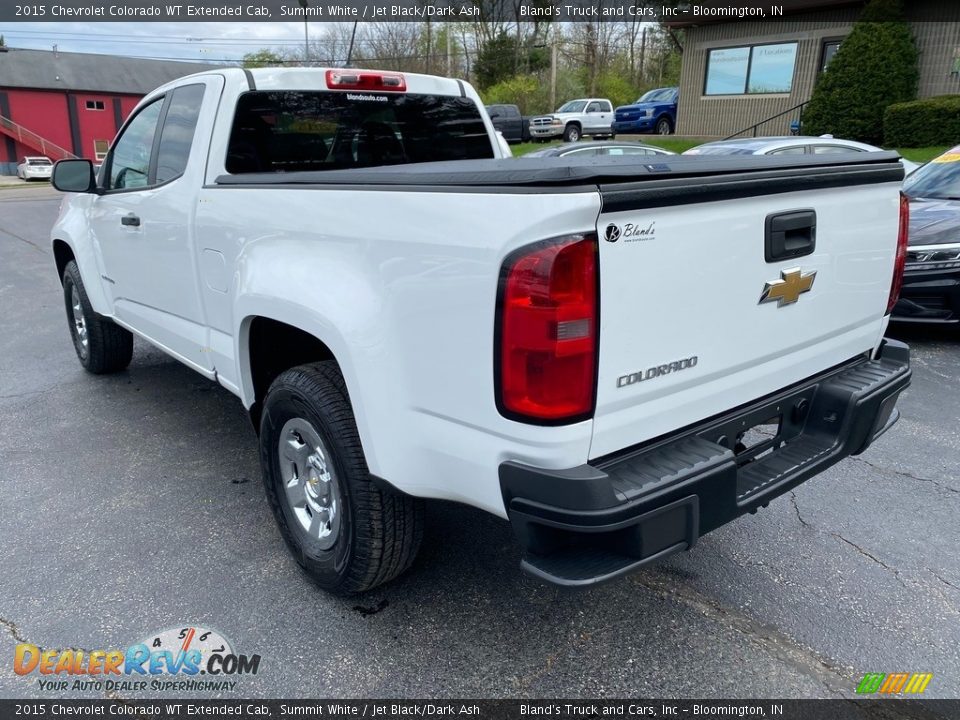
(62, 104)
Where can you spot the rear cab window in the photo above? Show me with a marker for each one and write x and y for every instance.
(290, 131)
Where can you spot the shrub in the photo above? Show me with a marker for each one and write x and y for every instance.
(531, 93)
(875, 67)
(617, 88)
(519, 90)
(923, 123)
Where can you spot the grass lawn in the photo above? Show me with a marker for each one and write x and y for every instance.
(922, 155)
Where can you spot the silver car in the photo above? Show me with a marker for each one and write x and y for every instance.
(607, 148)
(35, 168)
(789, 145)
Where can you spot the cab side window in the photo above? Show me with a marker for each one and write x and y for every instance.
(130, 161)
(830, 149)
(796, 150)
(593, 107)
(176, 138)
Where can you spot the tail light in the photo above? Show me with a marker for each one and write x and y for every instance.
(365, 80)
(546, 356)
(900, 260)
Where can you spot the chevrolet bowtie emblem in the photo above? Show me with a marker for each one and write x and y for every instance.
(788, 289)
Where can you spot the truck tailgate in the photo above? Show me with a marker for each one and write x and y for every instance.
(717, 291)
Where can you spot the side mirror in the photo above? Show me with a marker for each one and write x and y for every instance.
(74, 176)
(494, 115)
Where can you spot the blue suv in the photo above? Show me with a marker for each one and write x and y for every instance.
(655, 112)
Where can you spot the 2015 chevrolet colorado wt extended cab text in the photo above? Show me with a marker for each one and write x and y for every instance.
(578, 346)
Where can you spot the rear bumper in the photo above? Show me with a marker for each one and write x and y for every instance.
(930, 296)
(592, 523)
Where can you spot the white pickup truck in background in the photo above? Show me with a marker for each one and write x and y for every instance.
(581, 346)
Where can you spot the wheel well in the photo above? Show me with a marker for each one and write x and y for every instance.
(62, 254)
(274, 347)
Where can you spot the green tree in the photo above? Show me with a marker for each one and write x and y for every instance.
(502, 57)
(262, 58)
(875, 67)
(2, 42)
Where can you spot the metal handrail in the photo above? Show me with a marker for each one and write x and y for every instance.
(772, 117)
(28, 137)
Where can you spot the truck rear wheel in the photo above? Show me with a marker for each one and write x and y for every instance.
(347, 533)
(102, 346)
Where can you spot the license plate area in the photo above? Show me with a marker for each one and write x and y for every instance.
(760, 440)
(765, 429)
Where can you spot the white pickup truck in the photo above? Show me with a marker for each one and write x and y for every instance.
(586, 348)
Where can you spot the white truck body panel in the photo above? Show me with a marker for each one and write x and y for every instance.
(707, 272)
(402, 286)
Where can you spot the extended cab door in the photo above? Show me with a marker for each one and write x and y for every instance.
(514, 123)
(599, 116)
(143, 221)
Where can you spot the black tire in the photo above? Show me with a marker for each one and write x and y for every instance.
(380, 532)
(571, 133)
(108, 346)
(663, 126)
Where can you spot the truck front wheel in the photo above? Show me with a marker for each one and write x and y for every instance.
(347, 533)
(571, 133)
(102, 346)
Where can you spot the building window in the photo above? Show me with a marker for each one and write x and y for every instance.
(751, 70)
(100, 148)
(830, 48)
(95, 105)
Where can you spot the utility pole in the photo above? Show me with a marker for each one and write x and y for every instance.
(446, 29)
(353, 35)
(643, 54)
(429, 46)
(553, 73)
(306, 32)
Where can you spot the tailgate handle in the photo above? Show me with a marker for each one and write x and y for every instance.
(790, 235)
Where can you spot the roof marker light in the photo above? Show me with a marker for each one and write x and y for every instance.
(366, 80)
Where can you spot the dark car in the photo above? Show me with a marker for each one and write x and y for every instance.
(655, 111)
(508, 120)
(606, 148)
(931, 282)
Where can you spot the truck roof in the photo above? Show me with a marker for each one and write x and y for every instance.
(314, 78)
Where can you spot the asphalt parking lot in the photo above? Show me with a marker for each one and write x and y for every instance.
(132, 503)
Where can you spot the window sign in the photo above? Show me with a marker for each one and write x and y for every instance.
(727, 71)
(751, 70)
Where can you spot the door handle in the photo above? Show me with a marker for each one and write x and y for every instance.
(131, 220)
(790, 235)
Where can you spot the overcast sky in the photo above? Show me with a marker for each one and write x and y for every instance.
(203, 41)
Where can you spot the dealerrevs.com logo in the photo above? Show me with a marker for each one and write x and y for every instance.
(169, 660)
